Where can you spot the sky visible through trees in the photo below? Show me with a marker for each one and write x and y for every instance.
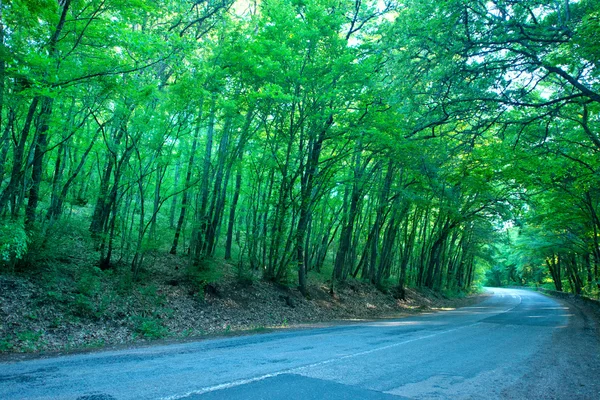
(417, 143)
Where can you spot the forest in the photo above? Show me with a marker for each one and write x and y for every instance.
(407, 144)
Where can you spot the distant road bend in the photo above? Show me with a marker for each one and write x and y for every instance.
(515, 344)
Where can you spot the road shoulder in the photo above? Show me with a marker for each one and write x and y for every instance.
(574, 348)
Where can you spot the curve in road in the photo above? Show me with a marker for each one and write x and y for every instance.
(490, 350)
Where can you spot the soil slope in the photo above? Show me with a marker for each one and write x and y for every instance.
(89, 309)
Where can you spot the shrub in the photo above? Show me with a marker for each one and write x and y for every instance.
(89, 283)
(150, 300)
(84, 306)
(13, 242)
(91, 301)
(29, 340)
(150, 328)
(6, 345)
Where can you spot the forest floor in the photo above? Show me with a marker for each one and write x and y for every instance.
(73, 306)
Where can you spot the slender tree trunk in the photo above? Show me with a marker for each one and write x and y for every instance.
(42, 139)
(174, 199)
(6, 141)
(217, 205)
(57, 205)
(5, 144)
(424, 237)
(3, 51)
(18, 169)
(554, 267)
(202, 215)
(307, 184)
(38, 166)
(188, 178)
(56, 179)
(407, 252)
(160, 171)
(342, 258)
(588, 268)
(232, 209)
(101, 209)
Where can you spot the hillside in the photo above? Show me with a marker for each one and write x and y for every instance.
(88, 308)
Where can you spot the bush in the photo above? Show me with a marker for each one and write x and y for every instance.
(84, 306)
(91, 301)
(6, 345)
(29, 340)
(89, 283)
(13, 242)
(150, 300)
(150, 328)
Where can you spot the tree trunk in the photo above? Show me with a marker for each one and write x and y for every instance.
(202, 215)
(307, 184)
(342, 258)
(160, 171)
(232, 208)
(57, 205)
(217, 205)
(174, 200)
(42, 139)
(188, 177)
(38, 162)
(16, 177)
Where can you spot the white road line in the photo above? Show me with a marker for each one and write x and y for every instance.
(240, 382)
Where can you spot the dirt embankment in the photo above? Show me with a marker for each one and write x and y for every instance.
(93, 310)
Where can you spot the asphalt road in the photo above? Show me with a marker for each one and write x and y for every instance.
(479, 352)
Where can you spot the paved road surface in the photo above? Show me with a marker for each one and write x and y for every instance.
(491, 350)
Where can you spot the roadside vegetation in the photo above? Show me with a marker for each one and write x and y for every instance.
(67, 303)
(417, 146)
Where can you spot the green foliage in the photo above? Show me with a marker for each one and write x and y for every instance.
(84, 306)
(6, 345)
(387, 285)
(91, 300)
(149, 328)
(201, 277)
(124, 282)
(454, 293)
(90, 282)
(13, 242)
(53, 295)
(259, 329)
(496, 277)
(244, 274)
(407, 137)
(187, 332)
(150, 299)
(29, 340)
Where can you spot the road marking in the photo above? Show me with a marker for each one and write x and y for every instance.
(240, 382)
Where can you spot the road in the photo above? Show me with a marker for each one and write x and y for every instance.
(494, 349)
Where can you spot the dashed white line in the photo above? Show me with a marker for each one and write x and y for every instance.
(240, 382)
